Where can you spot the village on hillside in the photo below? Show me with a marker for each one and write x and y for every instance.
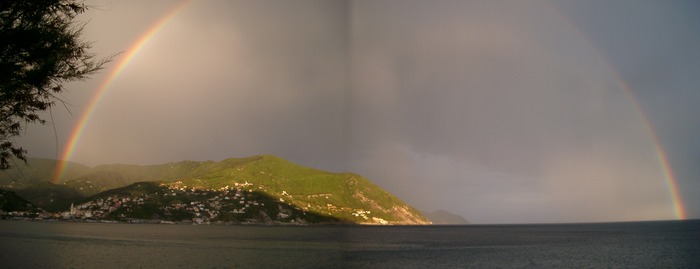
(242, 203)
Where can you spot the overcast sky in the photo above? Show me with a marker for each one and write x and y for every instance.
(500, 111)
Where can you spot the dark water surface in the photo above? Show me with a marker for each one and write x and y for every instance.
(663, 244)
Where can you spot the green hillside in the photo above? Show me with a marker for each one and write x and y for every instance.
(105, 177)
(341, 197)
(36, 170)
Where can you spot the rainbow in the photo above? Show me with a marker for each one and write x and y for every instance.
(62, 163)
(669, 177)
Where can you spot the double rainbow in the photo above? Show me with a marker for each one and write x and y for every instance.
(76, 134)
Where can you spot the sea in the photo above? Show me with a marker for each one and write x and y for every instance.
(654, 244)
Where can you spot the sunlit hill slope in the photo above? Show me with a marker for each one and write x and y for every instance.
(289, 188)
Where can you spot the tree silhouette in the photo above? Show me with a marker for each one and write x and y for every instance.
(40, 50)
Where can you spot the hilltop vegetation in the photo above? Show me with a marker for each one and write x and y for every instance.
(301, 193)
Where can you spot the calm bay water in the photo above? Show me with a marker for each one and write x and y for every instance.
(663, 244)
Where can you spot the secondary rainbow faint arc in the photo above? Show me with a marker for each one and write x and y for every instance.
(670, 178)
(133, 50)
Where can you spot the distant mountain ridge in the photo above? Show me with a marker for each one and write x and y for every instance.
(445, 217)
(36, 170)
(344, 197)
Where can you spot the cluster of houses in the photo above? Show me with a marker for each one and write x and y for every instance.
(175, 202)
(213, 202)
